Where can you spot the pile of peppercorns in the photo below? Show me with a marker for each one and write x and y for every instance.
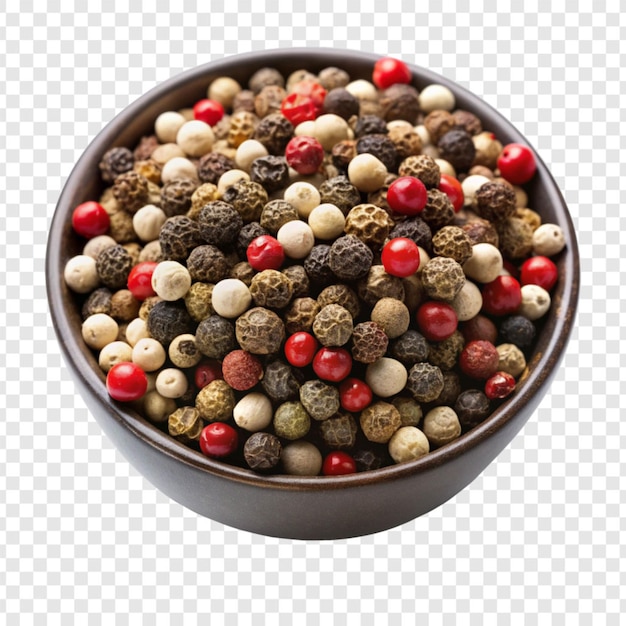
(313, 274)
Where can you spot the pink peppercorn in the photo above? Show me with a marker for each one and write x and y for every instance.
(479, 359)
(241, 370)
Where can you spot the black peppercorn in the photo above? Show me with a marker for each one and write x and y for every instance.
(178, 237)
(518, 330)
(274, 132)
(438, 211)
(494, 201)
(246, 235)
(340, 192)
(263, 77)
(342, 153)
(176, 196)
(113, 266)
(276, 213)
(369, 342)
(99, 301)
(207, 264)
(269, 100)
(472, 407)
(370, 125)
(166, 320)
(215, 337)
(248, 199)
(451, 389)
(368, 459)
(262, 451)
(467, 121)
(145, 147)
(457, 147)
(299, 279)
(270, 171)
(425, 382)
(116, 161)
(317, 265)
(219, 223)
(382, 147)
(212, 165)
(343, 295)
(320, 400)
(350, 258)
(416, 229)
(341, 102)
(279, 382)
(411, 347)
(339, 431)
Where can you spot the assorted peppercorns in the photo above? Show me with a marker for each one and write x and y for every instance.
(320, 276)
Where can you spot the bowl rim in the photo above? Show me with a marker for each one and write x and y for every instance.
(544, 365)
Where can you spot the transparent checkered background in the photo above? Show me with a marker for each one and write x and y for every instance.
(537, 539)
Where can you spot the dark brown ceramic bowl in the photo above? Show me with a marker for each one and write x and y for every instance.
(287, 506)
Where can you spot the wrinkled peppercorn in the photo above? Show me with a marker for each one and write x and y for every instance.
(185, 424)
(370, 125)
(149, 169)
(451, 389)
(243, 101)
(276, 213)
(340, 294)
(279, 382)
(176, 196)
(215, 402)
(350, 258)
(291, 421)
(262, 451)
(219, 223)
(207, 264)
(368, 459)
(212, 165)
(339, 431)
(99, 301)
(145, 147)
(333, 77)
(333, 325)
(423, 167)
(124, 306)
(264, 77)
(379, 421)
(260, 331)
(247, 198)
(382, 147)
(271, 288)
(269, 100)
(198, 301)
(340, 192)
(131, 190)
(246, 235)
(442, 278)
(300, 315)
(317, 265)
(116, 161)
(369, 342)
(472, 407)
(167, 320)
(467, 121)
(438, 123)
(242, 126)
(406, 142)
(481, 231)
(378, 284)
(113, 266)
(270, 171)
(299, 279)
(445, 354)
(369, 223)
(178, 237)
(439, 211)
(215, 337)
(274, 132)
(411, 347)
(425, 382)
(400, 102)
(452, 242)
(319, 399)
(494, 201)
(410, 411)
(457, 147)
(342, 153)
(416, 229)
(203, 194)
(515, 238)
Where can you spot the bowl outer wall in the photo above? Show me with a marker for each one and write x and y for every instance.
(299, 507)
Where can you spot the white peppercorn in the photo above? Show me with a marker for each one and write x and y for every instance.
(253, 412)
(296, 238)
(366, 172)
(195, 138)
(512, 359)
(112, 353)
(98, 330)
(80, 274)
(436, 96)
(423, 134)
(331, 129)
(166, 152)
(147, 222)
(548, 240)
(470, 186)
(386, 377)
(468, 302)
(171, 383)
(485, 264)
(183, 351)
(230, 298)
(178, 167)
(535, 302)
(327, 221)
(441, 426)
(446, 167)
(171, 280)
(247, 152)
(305, 129)
(301, 458)
(167, 125)
(362, 89)
(408, 443)
(230, 178)
(223, 90)
(149, 354)
(158, 408)
(303, 196)
(97, 244)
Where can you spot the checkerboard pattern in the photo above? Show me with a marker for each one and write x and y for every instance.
(539, 538)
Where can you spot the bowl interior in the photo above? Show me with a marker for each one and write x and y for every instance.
(182, 91)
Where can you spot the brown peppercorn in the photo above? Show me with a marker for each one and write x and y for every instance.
(451, 389)
(121, 226)
(472, 407)
(494, 201)
(113, 266)
(438, 123)
(516, 238)
(270, 171)
(445, 354)
(215, 337)
(99, 301)
(145, 147)
(243, 101)
(263, 77)
(333, 325)
(339, 431)
(452, 242)
(320, 400)
(442, 278)
(198, 301)
(124, 306)
(243, 271)
(262, 451)
(410, 348)
(479, 327)
(260, 331)
(481, 231)
(279, 382)
(207, 264)
(407, 142)
(219, 223)
(340, 192)
(131, 190)
(248, 199)
(350, 258)
(532, 218)
(378, 284)
(438, 211)
(369, 223)
(299, 279)
(410, 411)
(481, 170)
(115, 161)
(457, 147)
(379, 422)
(203, 194)
(392, 315)
(149, 169)
(317, 265)
(271, 288)
(342, 153)
(333, 77)
(269, 100)
(300, 315)
(274, 132)
(379, 197)
(400, 102)
(276, 213)
(467, 121)
(146, 307)
(242, 126)
(425, 382)
(423, 167)
(341, 102)
(215, 402)
(488, 149)
(212, 165)
(176, 196)
(185, 424)
(166, 320)
(340, 294)
(369, 342)
(178, 237)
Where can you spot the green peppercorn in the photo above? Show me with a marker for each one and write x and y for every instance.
(291, 421)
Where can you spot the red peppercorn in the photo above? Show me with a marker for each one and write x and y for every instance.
(208, 111)
(502, 296)
(140, 280)
(265, 253)
(453, 189)
(407, 195)
(436, 320)
(332, 364)
(218, 440)
(206, 372)
(241, 370)
(311, 89)
(539, 270)
(90, 219)
(389, 71)
(126, 382)
(499, 386)
(516, 163)
(479, 327)
(401, 257)
(297, 108)
(300, 349)
(338, 463)
(304, 154)
(479, 359)
(354, 395)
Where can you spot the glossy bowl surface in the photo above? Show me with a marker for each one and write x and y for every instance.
(287, 506)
